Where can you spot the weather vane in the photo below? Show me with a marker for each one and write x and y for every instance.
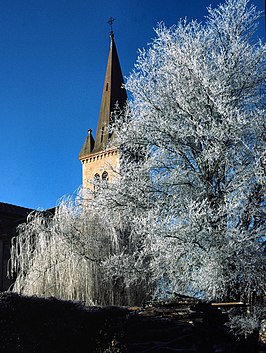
(110, 21)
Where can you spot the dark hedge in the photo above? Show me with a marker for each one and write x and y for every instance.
(37, 325)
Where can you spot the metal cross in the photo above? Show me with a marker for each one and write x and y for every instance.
(110, 21)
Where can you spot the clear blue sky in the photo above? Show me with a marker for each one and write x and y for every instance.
(53, 55)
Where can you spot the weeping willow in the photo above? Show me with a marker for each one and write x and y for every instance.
(62, 255)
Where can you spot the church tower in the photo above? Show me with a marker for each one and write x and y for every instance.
(100, 157)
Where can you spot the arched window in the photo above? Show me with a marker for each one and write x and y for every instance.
(105, 176)
(105, 179)
(97, 177)
(96, 180)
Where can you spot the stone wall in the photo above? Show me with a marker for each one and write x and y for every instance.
(98, 163)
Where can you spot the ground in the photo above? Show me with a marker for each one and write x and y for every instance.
(37, 325)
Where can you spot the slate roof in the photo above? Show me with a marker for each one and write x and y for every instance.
(13, 212)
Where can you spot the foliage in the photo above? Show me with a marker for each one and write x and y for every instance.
(54, 256)
(31, 324)
(247, 323)
(192, 183)
(61, 255)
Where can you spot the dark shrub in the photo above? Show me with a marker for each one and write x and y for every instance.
(32, 324)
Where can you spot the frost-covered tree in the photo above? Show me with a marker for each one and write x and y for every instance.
(192, 184)
(60, 254)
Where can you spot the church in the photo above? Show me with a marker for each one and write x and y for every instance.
(99, 157)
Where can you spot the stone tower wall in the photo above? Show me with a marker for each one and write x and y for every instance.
(98, 163)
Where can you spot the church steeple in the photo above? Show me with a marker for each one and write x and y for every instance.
(113, 93)
(101, 157)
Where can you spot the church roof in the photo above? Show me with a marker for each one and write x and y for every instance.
(113, 93)
(14, 210)
(13, 214)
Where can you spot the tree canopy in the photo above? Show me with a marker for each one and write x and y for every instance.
(196, 202)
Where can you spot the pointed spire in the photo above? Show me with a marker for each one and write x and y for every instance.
(113, 93)
(88, 145)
